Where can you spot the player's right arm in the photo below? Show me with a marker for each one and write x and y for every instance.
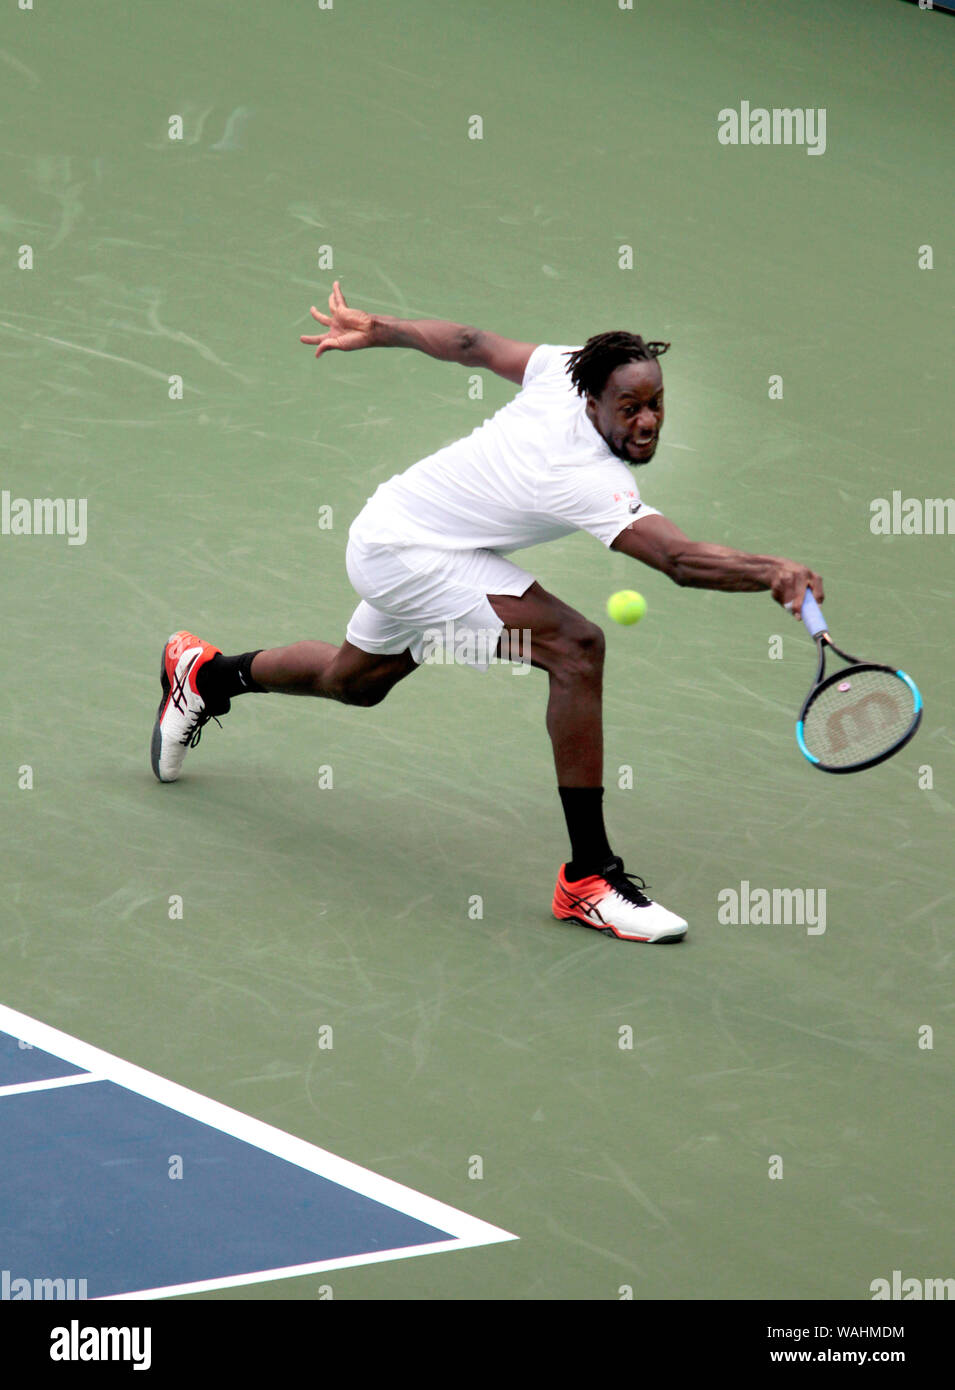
(657, 541)
(351, 329)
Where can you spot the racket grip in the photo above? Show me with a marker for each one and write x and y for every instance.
(812, 615)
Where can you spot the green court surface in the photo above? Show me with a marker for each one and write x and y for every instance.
(354, 906)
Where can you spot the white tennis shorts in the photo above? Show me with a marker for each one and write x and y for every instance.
(429, 601)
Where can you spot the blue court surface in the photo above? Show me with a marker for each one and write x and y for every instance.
(142, 1188)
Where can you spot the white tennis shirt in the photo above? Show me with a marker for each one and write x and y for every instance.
(533, 472)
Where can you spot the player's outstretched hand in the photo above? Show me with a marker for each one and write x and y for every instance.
(790, 583)
(348, 329)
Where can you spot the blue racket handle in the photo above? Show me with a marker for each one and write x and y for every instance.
(812, 615)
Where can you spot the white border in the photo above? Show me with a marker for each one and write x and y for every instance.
(465, 1230)
(53, 1083)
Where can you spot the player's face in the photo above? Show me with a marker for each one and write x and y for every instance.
(629, 413)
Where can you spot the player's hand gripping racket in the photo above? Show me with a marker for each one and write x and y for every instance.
(858, 717)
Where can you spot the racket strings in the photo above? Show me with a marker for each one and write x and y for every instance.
(857, 717)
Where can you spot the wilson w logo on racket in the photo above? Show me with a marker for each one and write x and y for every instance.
(858, 717)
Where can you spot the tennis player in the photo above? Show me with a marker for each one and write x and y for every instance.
(428, 555)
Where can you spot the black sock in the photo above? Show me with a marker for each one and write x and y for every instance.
(589, 846)
(224, 677)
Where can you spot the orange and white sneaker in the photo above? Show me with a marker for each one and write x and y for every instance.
(182, 712)
(611, 902)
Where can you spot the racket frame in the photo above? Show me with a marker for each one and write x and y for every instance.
(823, 641)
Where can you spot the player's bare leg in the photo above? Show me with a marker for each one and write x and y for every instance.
(344, 673)
(593, 888)
(199, 683)
(570, 649)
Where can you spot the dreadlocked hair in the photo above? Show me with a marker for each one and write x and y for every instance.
(590, 366)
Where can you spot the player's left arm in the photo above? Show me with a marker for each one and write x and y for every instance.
(455, 342)
(658, 542)
(352, 329)
(505, 356)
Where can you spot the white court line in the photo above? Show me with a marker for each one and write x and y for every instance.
(295, 1271)
(466, 1231)
(53, 1084)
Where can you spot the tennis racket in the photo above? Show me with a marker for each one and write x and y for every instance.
(858, 717)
